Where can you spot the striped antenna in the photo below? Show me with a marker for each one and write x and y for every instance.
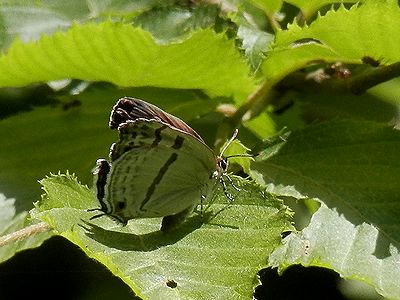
(234, 135)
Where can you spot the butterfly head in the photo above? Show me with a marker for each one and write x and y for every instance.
(222, 162)
(222, 167)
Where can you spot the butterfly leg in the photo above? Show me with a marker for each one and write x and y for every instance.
(227, 195)
(231, 182)
(203, 198)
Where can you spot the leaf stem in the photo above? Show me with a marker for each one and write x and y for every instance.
(253, 106)
(357, 84)
(360, 83)
(24, 233)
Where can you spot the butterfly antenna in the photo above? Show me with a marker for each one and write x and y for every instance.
(234, 135)
(241, 155)
(93, 209)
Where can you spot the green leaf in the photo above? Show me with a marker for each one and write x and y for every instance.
(237, 148)
(29, 19)
(169, 23)
(10, 223)
(254, 41)
(128, 56)
(343, 35)
(308, 7)
(28, 22)
(333, 242)
(62, 137)
(374, 106)
(214, 258)
(50, 139)
(262, 126)
(352, 166)
(268, 6)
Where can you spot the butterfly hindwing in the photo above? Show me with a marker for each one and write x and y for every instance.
(156, 171)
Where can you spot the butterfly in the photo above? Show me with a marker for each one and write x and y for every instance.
(159, 167)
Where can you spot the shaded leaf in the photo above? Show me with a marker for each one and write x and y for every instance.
(352, 166)
(50, 139)
(36, 20)
(268, 6)
(72, 134)
(254, 42)
(169, 23)
(29, 19)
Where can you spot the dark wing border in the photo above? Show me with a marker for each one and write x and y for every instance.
(132, 109)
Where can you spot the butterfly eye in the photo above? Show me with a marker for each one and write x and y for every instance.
(223, 164)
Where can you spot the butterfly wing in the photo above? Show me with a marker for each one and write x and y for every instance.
(156, 171)
(132, 109)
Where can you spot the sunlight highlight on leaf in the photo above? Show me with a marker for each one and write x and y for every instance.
(343, 36)
(128, 56)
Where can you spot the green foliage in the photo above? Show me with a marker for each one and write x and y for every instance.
(222, 250)
(173, 23)
(288, 84)
(308, 7)
(332, 241)
(124, 55)
(10, 223)
(345, 35)
(347, 165)
(269, 7)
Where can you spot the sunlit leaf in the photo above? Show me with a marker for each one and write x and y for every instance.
(128, 56)
(217, 257)
(333, 242)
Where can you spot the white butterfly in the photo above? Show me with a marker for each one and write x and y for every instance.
(160, 167)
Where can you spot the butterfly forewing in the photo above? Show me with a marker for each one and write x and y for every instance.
(132, 109)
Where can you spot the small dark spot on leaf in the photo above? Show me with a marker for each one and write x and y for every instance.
(171, 283)
(285, 234)
(370, 61)
(71, 104)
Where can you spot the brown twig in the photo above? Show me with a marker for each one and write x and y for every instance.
(356, 84)
(254, 105)
(359, 84)
(24, 233)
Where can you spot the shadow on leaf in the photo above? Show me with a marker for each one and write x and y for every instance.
(143, 242)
